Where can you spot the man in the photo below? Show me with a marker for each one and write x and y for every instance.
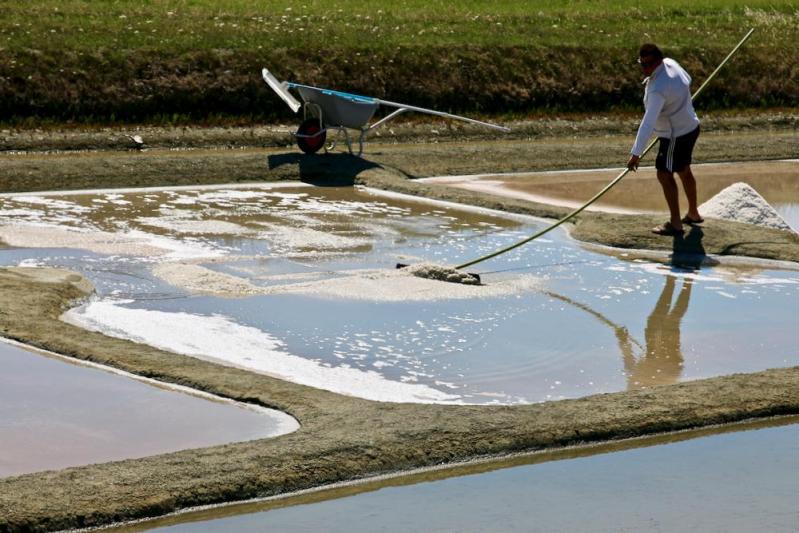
(669, 114)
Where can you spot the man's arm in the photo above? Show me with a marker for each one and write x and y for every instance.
(654, 104)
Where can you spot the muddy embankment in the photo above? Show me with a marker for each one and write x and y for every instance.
(141, 85)
(344, 438)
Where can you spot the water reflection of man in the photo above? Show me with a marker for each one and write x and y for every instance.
(662, 362)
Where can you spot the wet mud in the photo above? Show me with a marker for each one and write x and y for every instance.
(343, 438)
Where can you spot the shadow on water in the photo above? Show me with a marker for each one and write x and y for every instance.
(332, 170)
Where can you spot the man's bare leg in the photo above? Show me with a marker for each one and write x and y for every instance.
(671, 193)
(689, 186)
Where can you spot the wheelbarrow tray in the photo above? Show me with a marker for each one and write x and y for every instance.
(339, 108)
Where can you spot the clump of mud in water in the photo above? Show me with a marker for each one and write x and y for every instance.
(442, 273)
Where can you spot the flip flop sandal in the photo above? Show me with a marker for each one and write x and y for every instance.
(667, 230)
(689, 220)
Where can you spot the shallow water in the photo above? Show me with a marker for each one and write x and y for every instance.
(300, 282)
(776, 181)
(739, 481)
(55, 414)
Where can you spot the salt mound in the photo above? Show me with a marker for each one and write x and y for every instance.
(442, 273)
(740, 202)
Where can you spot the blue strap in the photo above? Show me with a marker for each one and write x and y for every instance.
(330, 92)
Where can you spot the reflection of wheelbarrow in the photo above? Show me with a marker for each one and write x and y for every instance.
(324, 109)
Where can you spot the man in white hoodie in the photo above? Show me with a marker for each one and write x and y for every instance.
(670, 115)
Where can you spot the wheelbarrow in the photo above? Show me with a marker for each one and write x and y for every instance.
(325, 109)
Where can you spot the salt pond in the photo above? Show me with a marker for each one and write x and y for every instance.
(776, 181)
(55, 414)
(299, 282)
(739, 481)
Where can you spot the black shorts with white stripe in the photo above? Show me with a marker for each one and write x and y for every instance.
(675, 156)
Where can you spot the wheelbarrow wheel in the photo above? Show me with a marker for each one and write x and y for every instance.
(311, 136)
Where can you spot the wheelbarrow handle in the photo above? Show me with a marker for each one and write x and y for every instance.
(443, 114)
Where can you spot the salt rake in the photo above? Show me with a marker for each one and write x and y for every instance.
(609, 186)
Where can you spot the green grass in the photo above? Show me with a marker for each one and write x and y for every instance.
(172, 26)
(143, 60)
